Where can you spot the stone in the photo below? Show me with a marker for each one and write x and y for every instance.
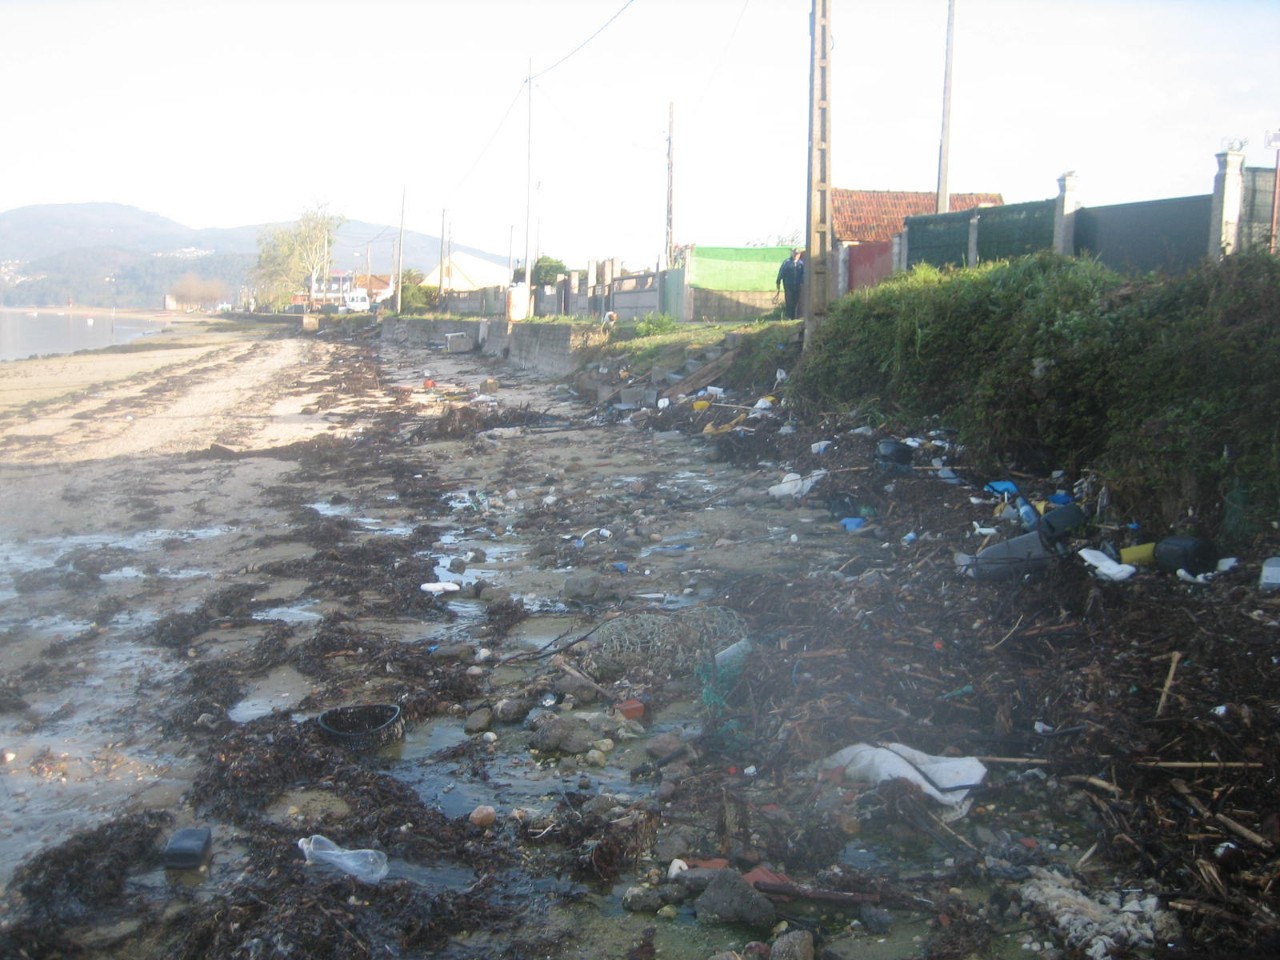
(795, 945)
(478, 721)
(511, 710)
(581, 585)
(563, 734)
(877, 920)
(641, 900)
(581, 689)
(730, 899)
(662, 745)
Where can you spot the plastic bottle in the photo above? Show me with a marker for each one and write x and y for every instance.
(367, 865)
(1028, 514)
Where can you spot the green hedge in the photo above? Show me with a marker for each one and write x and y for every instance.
(1170, 389)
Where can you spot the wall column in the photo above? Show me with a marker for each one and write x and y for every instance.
(1064, 216)
(1228, 195)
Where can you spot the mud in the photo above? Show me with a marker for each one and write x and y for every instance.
(211, 555)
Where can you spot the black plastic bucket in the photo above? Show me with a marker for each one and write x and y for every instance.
(364, 726)
(1192, 554)
(894, 452)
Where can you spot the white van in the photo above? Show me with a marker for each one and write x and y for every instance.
(356, 301)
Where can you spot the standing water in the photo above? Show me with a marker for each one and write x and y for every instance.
(40, 332)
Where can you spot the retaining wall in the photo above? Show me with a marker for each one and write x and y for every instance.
(546, 347)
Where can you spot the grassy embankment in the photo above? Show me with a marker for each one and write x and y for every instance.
(1168, 390)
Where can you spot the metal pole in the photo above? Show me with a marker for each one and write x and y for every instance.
(944, 146)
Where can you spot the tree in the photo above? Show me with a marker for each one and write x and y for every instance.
(545, 270)
(294, 256)
(191, 290)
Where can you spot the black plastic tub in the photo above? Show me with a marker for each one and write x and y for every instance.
(365, 726)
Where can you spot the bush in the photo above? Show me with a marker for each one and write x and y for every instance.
(1171, 388)
(654, 324)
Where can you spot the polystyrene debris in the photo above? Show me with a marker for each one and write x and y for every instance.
(794, 485)
(1104, 567)
(440, 588)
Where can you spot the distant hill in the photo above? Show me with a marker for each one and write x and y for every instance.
(112, 254)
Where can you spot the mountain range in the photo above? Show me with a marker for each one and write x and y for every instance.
(111, 254)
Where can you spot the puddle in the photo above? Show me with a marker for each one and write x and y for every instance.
(297, 613)
(280, 689)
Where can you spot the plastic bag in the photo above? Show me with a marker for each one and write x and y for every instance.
(367, 865)
(945, 779)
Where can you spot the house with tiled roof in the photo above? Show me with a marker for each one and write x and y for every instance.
(865, 223)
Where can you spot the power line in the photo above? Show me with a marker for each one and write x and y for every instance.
(603, 27)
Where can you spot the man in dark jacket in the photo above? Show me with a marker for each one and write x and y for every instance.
(791, 282)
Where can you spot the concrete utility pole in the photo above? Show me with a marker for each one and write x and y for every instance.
(817, 287)
(944, 147)
(440, 292)
(400, 251)
(671, 146)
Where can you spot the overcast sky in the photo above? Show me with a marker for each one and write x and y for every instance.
(229, 113)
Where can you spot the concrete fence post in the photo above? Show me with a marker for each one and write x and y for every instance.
(1064, 216)
(1228, 195)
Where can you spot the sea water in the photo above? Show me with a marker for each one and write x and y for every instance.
(32, 333)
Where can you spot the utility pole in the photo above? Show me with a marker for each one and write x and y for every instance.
(400, 251)
(528, 198)
(944, 147)
(440, 294)
(817, 287)
(671, 146)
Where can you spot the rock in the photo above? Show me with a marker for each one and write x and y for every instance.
(668, 911)
(877, 920)
(457, 565)
(594, 758)
(581, 689)
(796, 945)
(483, 816)
(581, 585)
(697, 879)
(641, 900)
(563, 734)
(463, 652)
(479, 721)
(730, 899)
(662, 745)
(510, 710)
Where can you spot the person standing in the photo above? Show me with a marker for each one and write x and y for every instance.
(791, 282)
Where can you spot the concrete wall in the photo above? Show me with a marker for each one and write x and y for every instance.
(546, 347)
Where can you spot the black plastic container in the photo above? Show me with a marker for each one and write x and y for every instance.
(363, 727)
(1058, 523)
(894, 452)
(1192, 554)
(187, 849)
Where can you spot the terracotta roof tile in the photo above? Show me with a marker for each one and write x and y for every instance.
(868, 216)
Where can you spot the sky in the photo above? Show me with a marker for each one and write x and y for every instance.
(229, 113)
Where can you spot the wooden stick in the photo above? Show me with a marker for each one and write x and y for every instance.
(1168, 681)
(1239, 829)
(811, 893)
(1093, 782)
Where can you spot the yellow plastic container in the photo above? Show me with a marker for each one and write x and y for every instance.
(1142, 555)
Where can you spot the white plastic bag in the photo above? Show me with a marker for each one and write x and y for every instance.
(945, 779)
(367, 865)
